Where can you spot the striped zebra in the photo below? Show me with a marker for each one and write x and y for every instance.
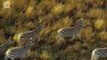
(17, 52)
(98, 52)
(4, 47)
(33, 35)
(70, 32)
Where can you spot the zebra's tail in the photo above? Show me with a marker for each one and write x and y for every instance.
(57, 37)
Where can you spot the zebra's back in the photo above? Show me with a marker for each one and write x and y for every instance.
(101, 52)
(66, 32)
(16, 52)
(28, 36)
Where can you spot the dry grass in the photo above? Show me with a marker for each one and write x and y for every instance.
(23, 15)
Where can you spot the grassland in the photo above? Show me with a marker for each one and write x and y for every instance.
(23, 15)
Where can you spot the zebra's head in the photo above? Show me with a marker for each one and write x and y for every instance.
(39, 27)
(10, 41)
(79, 23)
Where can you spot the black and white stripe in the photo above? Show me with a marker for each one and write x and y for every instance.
(4, 47)
(32, 35)
(98, 52)
(17, 52)
(70, 32)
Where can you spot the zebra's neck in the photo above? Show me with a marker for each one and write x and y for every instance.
(28, 46)
(37, 31)
(78, 25)
(38, 28)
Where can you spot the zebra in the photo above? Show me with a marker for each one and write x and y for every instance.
(33, 35)
(98, 52)
(17, 52)
(4, 47)
(70, 32)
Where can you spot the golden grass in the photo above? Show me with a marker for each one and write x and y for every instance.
(99, 24)
(25, 14)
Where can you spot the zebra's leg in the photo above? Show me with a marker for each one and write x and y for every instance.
(94, 58)
(80, 39)
(5, 58)
(60, 38)
(22, 59)
(57, 37)
(72, 38)
(12, 59)
(39, 39)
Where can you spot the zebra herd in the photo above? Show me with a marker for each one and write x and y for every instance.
(34, 36)
(21, 51)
